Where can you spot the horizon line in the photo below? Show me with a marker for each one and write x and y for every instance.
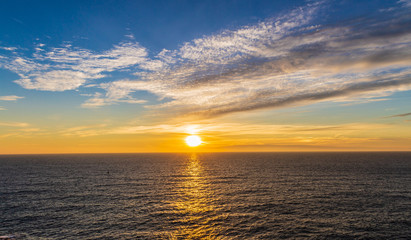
(190, 152)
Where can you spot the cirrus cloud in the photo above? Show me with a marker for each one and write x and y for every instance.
(10, 98)
(68, 68)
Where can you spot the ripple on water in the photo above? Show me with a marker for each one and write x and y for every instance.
(206, 196)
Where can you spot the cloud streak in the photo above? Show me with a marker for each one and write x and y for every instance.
(225, 129)
(10, 98)
(14, 124)
(400, 115)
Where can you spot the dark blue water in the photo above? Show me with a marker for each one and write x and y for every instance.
(207, 196)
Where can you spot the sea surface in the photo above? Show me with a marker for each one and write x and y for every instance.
(206, 196)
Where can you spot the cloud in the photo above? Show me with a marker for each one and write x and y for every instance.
(291, 59)
(407, 3)
(10, 98)
(84, 131)
(118, 95)
(17, 129)
(226, 129)
(68, 68)
(400, 115)
(9, 48)
(14, 124)
(58, 80)
(279, 62)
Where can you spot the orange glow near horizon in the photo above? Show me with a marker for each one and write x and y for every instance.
(214, 137)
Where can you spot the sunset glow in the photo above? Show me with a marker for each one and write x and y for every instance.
(265, 76)
(217, 119)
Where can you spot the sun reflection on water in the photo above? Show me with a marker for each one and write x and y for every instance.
(195, 203)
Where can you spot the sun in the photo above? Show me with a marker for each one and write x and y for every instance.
(193, 140)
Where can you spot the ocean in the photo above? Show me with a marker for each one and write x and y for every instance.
(206, 196)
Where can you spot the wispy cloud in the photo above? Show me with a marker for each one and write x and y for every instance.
(17, 129)
(10, 98)
(14, 124)
(9, 48)
(400, 115)
(99, 100)
(224, 129)
(84, 131)
(405, 2)
(68, 67)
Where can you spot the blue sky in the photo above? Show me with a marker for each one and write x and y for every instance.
(97, 25)
(137, 63)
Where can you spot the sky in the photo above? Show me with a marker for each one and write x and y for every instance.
(244, 75)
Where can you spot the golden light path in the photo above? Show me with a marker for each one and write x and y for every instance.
(193, 141)
(195, 203)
